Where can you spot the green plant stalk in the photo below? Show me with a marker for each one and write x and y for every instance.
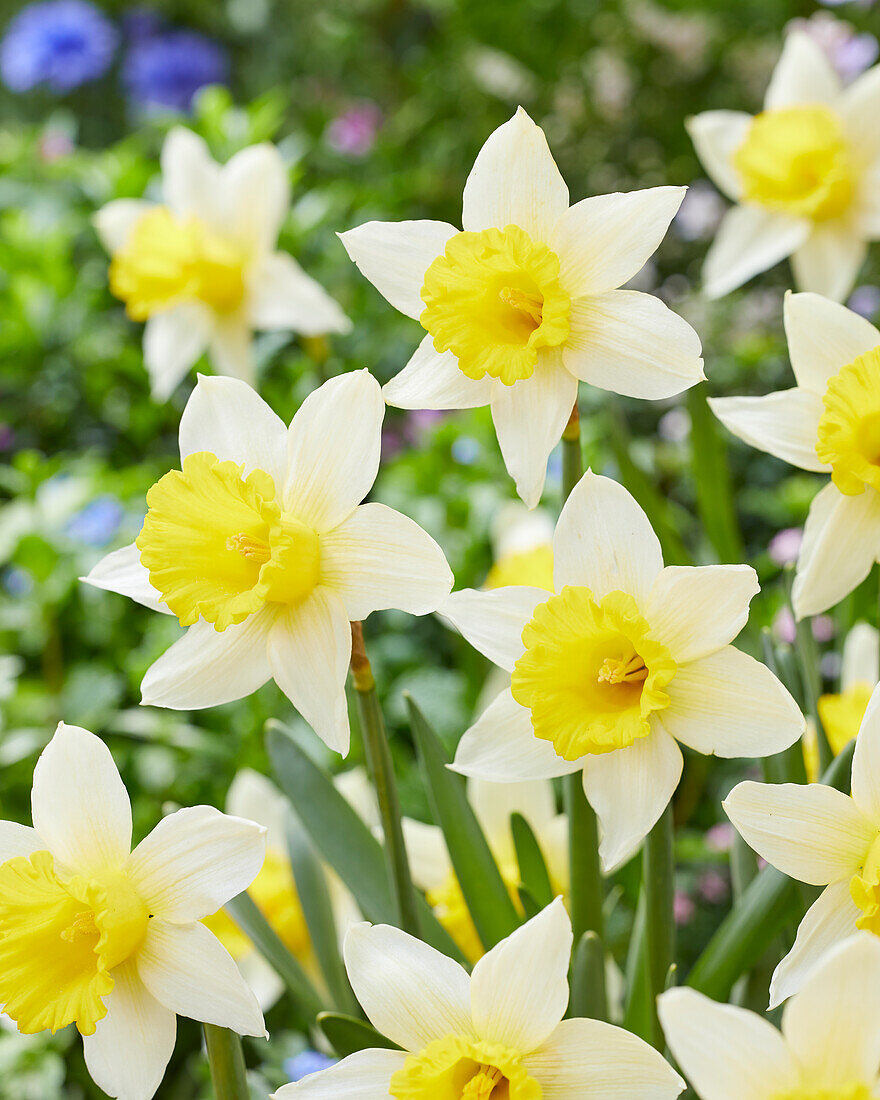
(658, 882)
(381, 769)
(226, 1059)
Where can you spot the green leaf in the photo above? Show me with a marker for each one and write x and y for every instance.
(588, 979)
(530, 907)
(343, 839)
(482, 886)
(347, 1035)
(532, 868)
(712, 480)
(637, 1017)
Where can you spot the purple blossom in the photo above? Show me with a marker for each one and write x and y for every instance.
(59, 43)
(713, 887)
(848, 51)
(683, 907)
(784, 628)
(786, 545)
(865, 300)
(353, 132)
(720, 837)
(166, 70)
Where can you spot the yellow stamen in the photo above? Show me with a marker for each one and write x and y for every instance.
(532, 305)
(616, 671)
(253, 549)
(481, 1086)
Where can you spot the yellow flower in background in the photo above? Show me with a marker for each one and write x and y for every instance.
(109, 939)
(522, 545)
(201, 269)
(804, 173)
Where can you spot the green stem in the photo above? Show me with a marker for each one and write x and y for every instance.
(226, 1060)
(808, 658)
(380, 767)
(659, 884)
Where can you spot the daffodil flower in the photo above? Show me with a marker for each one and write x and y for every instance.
(828, 423)
(260, 546)
(828, 1048)
(493, 804)
(522, 545)
(804, 173)
(818, 835)
(201, 268)
(525, 301)
(625, 660)
(97, 935)
(498, 1032)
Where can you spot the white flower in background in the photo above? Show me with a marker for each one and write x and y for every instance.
(818, 835)
(624, 661)
(829, 1045)
(522, 547)
(110, 939)
(828, 423)
(201, 269)
(498, 1032)
(525, 302)
(493, 804)
(260, 545)
(804, 173)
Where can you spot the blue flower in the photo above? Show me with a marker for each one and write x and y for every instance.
(310, 1061)
(60, 43)
(167, 69)
(97, 523)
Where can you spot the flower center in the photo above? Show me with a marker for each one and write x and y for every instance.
(167, 261)
(797, 161)
(218, 546)
(493, 299)
(457, 1068)
(60, 939)
(864, 888)
(848, 437)
(591, 673)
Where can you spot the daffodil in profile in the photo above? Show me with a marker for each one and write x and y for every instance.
(260, 546)
(828, 1047)
(829, 422)
(496, 1033)
(819, 835)
(621, 663)
(201, 269)
(109, 939)
(526, 300)
(804, 174)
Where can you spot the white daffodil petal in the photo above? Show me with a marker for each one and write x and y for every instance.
(115, 221)
(632, 344)
(695, 611)
(748, 241)
(501, 746)
(726, 1052)
(427, 853)
(605, 541)
(495, 803)
(434, 380)
(18, 840)
(515, 181)
(629, 789)
(860, 663)
(309, 653)
(784, 424)
(519, 989)
(190, 176)
(188, 970)
(132, 1045)
(810, 832)
(173, 341)
(394, 257)
(207, 667)
(194, 861)
(255, 798)
(493, 621)
(365, 1075)
(79, 803)
(592, 1060)
(121, 571)
(253, 197)
(728, 704)
(334, 443)
(284, 297)
(858, 106)
(823, 336)
(829, 261)
(866, 761)
(841, 542)
(603, 241)
(229, 419)
(831, 1025)
(230, 348)
(529, 419)
(803, 74)
(378, 558)
(410, 992)
(829, 920)
(716, 136)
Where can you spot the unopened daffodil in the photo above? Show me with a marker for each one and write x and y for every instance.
(525, 301)
(201, 267)
(828, 423)
(804, 173)
(496, 1033)
(621, 663)
(109, 939)
(260, 546)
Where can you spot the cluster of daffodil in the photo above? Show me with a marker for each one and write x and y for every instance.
(607, 661)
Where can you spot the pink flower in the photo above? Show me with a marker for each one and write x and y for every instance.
(353, 132)
(786, 545)
(683, 907)
(720, 837)
(712, 887)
